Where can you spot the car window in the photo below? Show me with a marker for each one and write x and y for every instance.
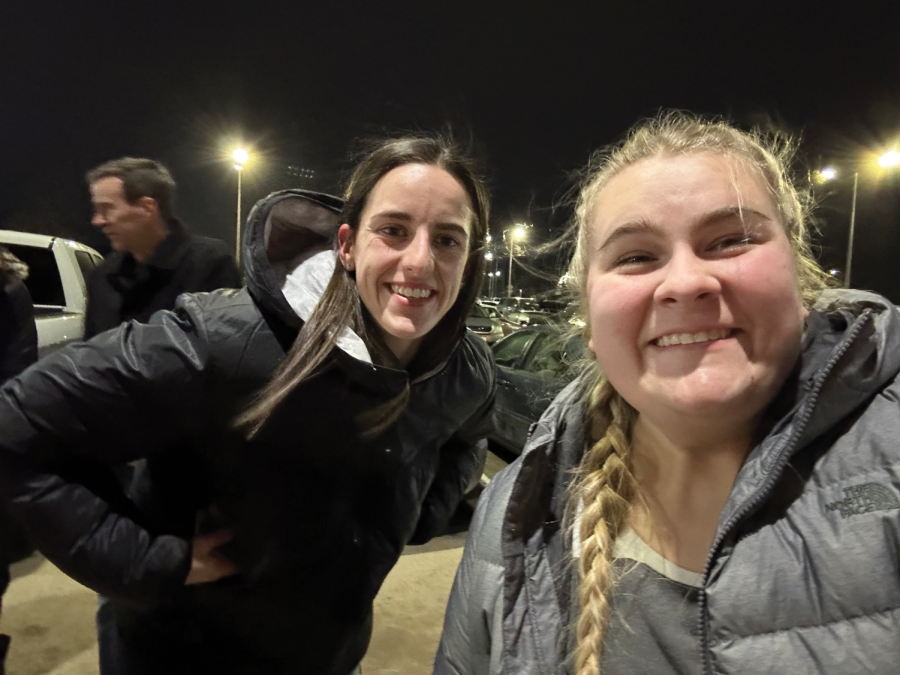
(546, 359)
(479, 311)
(511, 348)
(491, 312)
(555, 357)
(43, 282)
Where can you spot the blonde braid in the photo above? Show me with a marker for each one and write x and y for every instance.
(606, 487)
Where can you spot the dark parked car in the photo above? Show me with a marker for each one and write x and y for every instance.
(485, 322)
(534, 364)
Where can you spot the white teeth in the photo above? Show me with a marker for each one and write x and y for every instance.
(690, 338)
(410, 292)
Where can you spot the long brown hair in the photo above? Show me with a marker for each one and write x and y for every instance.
(340, 306)
(605, 485)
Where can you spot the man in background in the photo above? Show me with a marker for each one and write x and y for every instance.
(154, 259)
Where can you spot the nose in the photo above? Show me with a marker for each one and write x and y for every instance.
(98, 220)
(418, 257)
(687, 278)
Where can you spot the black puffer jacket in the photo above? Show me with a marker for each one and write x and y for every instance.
(18, 350)
(319, 516)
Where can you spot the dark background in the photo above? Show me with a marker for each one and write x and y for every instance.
(538, 86)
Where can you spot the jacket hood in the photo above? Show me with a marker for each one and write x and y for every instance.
(283, 231)
(289, 253)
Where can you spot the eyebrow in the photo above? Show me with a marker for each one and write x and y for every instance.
(397, 215)
(711, 218)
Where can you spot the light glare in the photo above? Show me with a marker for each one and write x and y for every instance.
(240, 156)
(891, 158)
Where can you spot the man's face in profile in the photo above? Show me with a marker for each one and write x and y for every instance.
(124, 224)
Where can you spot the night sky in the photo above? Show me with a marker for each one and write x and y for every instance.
(537, 85)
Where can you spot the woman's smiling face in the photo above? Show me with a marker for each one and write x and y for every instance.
(410, 252)
(693, 298)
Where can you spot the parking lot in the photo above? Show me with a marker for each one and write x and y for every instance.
(51, 618)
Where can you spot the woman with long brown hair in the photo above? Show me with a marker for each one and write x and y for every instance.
(322, 418)
(718, 492)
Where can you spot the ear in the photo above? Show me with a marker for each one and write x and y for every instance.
(148, 205)
(591, 347)
(345, 247)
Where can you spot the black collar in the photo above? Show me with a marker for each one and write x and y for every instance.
(166, 256)
(170, 251)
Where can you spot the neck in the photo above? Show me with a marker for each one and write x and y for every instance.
(404, 350)
(674, 461)
(683, 485)
(155, 234)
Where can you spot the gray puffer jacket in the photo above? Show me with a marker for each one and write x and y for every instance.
(804, 571)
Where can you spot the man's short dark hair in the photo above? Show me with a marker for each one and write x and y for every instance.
(140, 178)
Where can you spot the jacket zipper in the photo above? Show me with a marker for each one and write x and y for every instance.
(774, 475)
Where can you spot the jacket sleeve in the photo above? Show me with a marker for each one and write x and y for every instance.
(118, 397)
(472, 639)
(21, 349)
(460, 458)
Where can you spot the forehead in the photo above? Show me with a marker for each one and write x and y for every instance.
(107, 189)
(420, 190)
(671, 189)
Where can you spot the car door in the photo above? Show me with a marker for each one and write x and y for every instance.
(514, 406)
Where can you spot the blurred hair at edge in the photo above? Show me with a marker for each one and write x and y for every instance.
(11, 268)
(340, 304)
(670, 134)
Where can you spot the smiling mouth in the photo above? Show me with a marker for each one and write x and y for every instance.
(408, 292)
(692, 338)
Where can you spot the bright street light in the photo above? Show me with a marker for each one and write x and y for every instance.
(891, 158)
(826, 174)
(240, 156)
(489, 255)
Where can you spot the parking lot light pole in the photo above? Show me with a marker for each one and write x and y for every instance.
(512, 233)
(240, 158)
(886, 161)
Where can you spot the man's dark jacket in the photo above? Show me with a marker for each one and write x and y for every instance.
(121, 289)
(319, 515)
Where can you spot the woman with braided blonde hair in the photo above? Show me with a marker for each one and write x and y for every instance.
(719, 491)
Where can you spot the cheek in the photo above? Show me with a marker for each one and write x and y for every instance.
(615, 317)
(454, 271)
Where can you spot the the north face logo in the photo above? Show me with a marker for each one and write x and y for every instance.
(863, 499)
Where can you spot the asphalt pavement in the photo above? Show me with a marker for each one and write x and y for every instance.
(50, 617)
